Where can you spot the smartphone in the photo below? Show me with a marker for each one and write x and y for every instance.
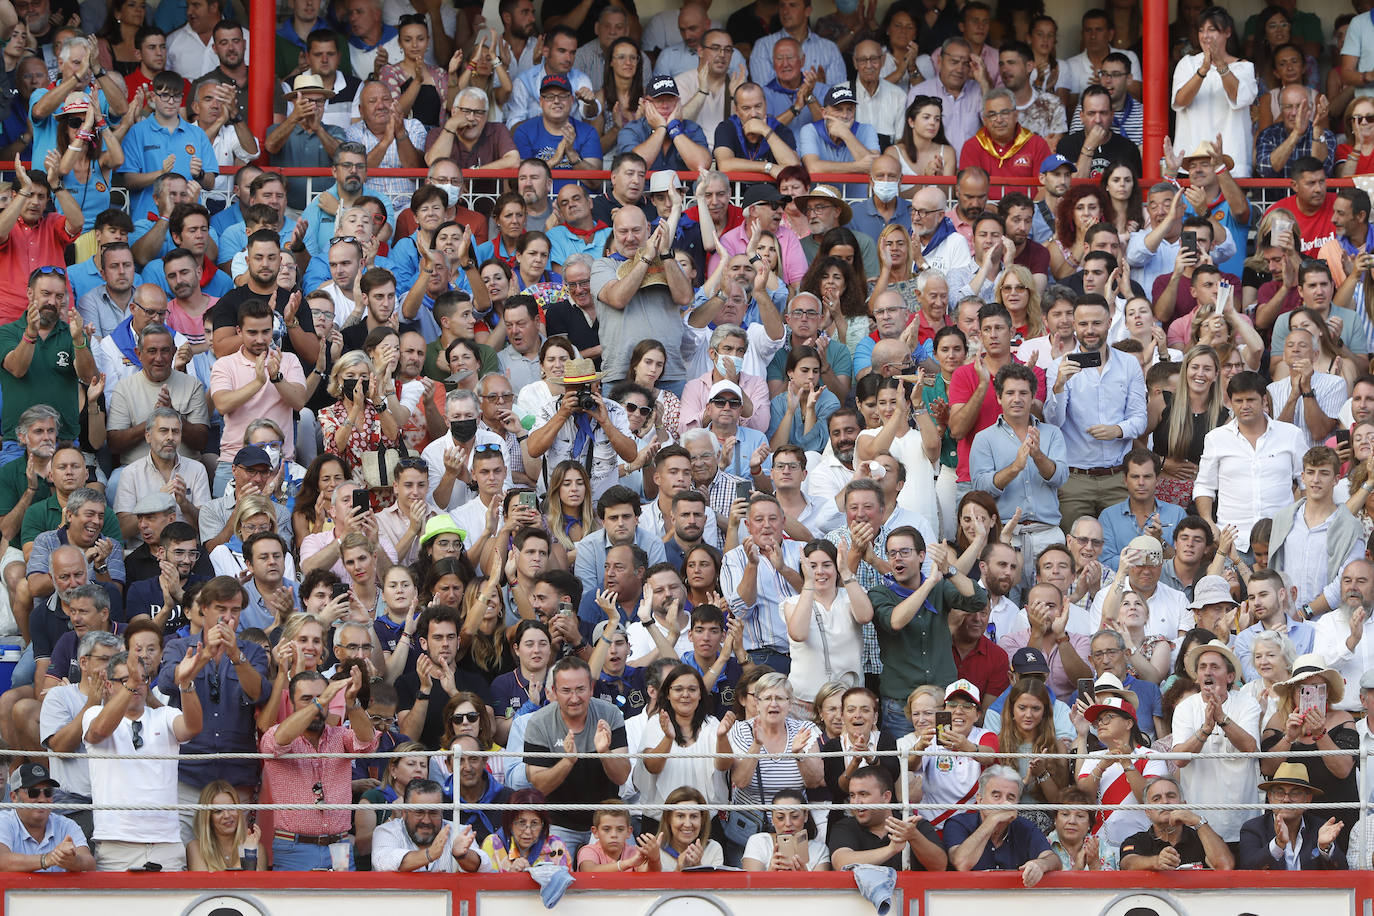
(789, 846)
(1312, 696)
(528, 500)
(1088, 360)
(1085, 689)
(1342, 437)
(362, 500)
(1189, 241)
(338, 589)
(566, 608)
(744, 489)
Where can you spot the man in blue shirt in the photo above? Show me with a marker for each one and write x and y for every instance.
(1140, 512)
(35, 839)
(999, 840)
(110, 226)
(165, 142)
(151, 237)
(553, 135)
(1021, 462)
(661, 136)
(795, 16)
(1273, 602)
(793, 94)
(838, 143)
(189, 229)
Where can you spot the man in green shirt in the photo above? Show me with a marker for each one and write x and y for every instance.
(913, 617)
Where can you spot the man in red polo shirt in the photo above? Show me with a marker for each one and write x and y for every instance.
(1002, 147)
(29, 239)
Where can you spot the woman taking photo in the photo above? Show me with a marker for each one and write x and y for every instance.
(1015, 289)
(524, 838)
(825, 622)
(221, 839)
(1229, 327)
(798, 416)
(554, 354)
(399, 772)
(647, 361)
(923, 149)
(1028, 728)
(685, 836)
(570, 514)
(1081, 208)
(761, 852)
(1122, 187)
(419, 90)
(680, 724)
(315, 498)
(945, 780)
(1179, 434)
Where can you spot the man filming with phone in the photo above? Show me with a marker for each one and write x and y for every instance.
(1172, 293)
(1097, 399)
(584, 427)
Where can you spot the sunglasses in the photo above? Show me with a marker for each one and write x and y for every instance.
(727, 402)
(487, 447)
(644, 411)
(40, 792)
(413, 463)
(50, 269)
(469, 717)
(137, 728)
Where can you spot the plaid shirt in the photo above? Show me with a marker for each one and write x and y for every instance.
(721, 495)
(1273, 136)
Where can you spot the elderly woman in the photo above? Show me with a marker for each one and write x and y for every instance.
(1111, 774)
(775, 733)
(1272, 655)
(352, 425)
(524, 838)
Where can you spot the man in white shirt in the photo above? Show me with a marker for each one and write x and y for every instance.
(667, 595)
(1169, 614)
(420, 840)
(830, 472)
(1249, 464)
(451, 457)
(146, 739)
(59, 722)
(1314, 538)
(1340, 634)
(1218, 720)
(163, 468)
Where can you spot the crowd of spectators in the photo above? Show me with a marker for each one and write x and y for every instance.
(585, 478)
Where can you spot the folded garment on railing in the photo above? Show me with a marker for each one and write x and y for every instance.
(553, 880)
(877, 883)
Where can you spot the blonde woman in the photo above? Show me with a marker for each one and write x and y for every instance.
(1016, 290)
(895, 267)
(352, 426)
(253, 514)
(221, 839)
(570, 515)
(1272, 654)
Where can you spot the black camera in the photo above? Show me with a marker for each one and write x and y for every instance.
(585, 402)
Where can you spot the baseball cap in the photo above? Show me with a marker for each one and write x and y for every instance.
(1053, 162)
(252, 455)
(662, 85)
(840, 95)
(966, 688)
(724, 385)
(33, 774)
(761, 192)
(1030, 661)
(1151, 551)
(555, 81)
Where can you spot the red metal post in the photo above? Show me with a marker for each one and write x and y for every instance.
(1154, 66)
(262, 25)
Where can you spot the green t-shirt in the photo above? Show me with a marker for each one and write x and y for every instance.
(14, 480)
(50, 379)
(949, 447)
(44, 515)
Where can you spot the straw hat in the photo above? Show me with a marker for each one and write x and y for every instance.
(1308, 665)
(1204, 151)
(1108, 684)
(829, 194)
(1217, 646)
(308, 82)
(1290, 774)
(580, 371)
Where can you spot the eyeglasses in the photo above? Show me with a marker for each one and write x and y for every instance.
(475, 112)
(644, 410)
(786, 466)
(192, 554)
(351, 167)
(726, 402)
(353, 646)
(504, 397)
(40, 792)
(922, 214)
(871, 59)
(1092, 542)
(999, 115)
(171, 96)
(578, 284)
(719, 49)
(1106, 653)
(1362, 119)
(152, 313)
(902, 553)
(1111, 74)
(212, 682)
(528, 824)
(137, 728)
(957, 704)
(471, 718)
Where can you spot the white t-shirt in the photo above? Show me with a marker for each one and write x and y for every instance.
(832, 632)
(642, 642)
(948, 780)
(918, 491)
(1225, 781)
(712, 854)
(761, 846)
(1118, 825)
(1169, 614)
(136, 781)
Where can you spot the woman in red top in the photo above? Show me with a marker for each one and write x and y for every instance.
(352, 426)
(1357, 157)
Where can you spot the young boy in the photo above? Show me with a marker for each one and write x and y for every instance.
(714, 646)
(613, 847)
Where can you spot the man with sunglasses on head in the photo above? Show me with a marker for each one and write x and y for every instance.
(127, 727)
(38, 840)
(228, 684)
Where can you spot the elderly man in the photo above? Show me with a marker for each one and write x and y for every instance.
(162, 469)
(450, 457)
(117, 354)
(83, 528)
(1177, 837)
(936, 244)
(306, 135)
(992, 840)
(1339, 637)
(728, 352)
(553, 135)
(1239, 480)
(751, 139)
(420, 840)
(1002, 147)
(59, 722)
(1141, 564)
(757, 576)
(826, 209)
(578, 230)
(959, 93)
(762, 210)
(1218, 719)
(1300, 132)
(390, 139)
(803, 319)
(471, 139)
(1308, 399)
(643, 292)
(1290, 838)
(662, 136)
(839, 142)
(885, 206)
(77, 73)
(794, 17)
(36, 839)
(793, 95)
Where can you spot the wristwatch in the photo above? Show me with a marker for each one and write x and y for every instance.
(277, 378)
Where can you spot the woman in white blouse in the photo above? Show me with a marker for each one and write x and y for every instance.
(1213, 92)
(678, 725)
(553, 355)
(825, 622)
(761, 852)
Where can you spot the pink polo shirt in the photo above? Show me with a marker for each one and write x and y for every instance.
(793, 259)
(235, 371)
(27, 249)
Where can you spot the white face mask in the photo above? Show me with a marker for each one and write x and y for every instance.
(724, 360)
(886, 190)
(274, 453)
(452, 193)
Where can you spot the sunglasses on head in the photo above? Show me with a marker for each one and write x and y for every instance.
(413, 463)
(486, 447)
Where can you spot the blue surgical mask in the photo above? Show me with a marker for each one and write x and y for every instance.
(886, 190)
(724, 360)
(846, 6)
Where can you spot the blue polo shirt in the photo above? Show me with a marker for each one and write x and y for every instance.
(813, 139)
(667, 158)
(1023, 842)
(870, 222)
(153, 272)
(1118, 527)
(534, 142)
(148, 143)
(142, 225)
(226, 218)
(19, 841)
(563, 243)
(1220, 212)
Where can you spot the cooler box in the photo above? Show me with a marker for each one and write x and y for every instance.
(9, 658)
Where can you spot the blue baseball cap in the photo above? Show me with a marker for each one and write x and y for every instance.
(1053, 162)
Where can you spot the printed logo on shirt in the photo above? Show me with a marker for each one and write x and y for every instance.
(190, 150)
(101, 187)
(944, 764)
(64, 359)
(636, 698)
